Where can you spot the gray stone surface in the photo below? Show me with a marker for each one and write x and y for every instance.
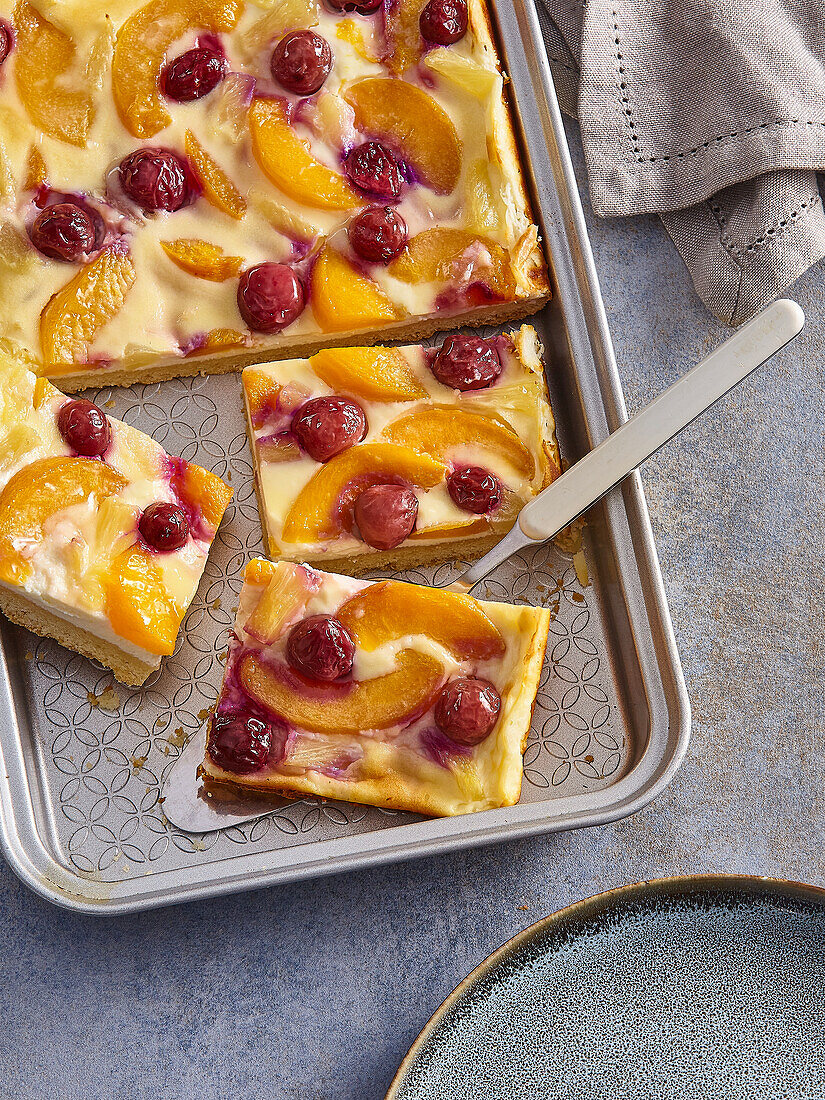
(314, 992)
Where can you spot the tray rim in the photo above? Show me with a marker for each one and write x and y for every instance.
(669, 732)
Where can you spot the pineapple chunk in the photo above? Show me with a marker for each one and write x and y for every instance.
(20, 441)
(305, 752)
(283, 16)
(283, 220)
(467, 778)
(482, 210)
(15, 251)
(229, 106)
(284, 596)
(464, 73)
(115, 532)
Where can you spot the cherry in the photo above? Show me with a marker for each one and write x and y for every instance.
(474, 489)
(164, 526)
(157, 179)
(193, 74)
(466, 363)
(270, 297)
(84, 427)
(386, 515)
(64, 231)
(371, 167)
(239, 743)
(6, 40)
(361, 7)
(321, 647)
(467, 709)
(377, 234)
(301, 62)
(326, 426)
(443, 21)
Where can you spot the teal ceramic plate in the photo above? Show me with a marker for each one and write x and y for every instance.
(710, 987)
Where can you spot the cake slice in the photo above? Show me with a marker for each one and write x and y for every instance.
(394, 457)
(103, 536)
(384, 693)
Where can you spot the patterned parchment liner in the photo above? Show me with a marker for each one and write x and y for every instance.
(104, 749)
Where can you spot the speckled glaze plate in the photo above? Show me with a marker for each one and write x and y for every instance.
(695, 988)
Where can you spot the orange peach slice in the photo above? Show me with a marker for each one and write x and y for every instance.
(437, 431)
(36, 492)
(384, 612)
(342, 298)
(405, 117)
(201, 492)
(202, 259)
(218, 188)
(286, 160)
(323, 504)
(261, 390)
(284, 597)
(71, 317)
(50, 82)
(455, 256)
(140, 50)
(218, 338)
(138, 605)
(35, 170)
(355, 707)
(403, 35)
(376, 374)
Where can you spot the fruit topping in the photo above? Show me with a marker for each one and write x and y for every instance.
(343, 298)
(35, 176)
(409, 120)
(164, 526)
(360, 7)
(475, 79)
(239, 743)
(284, 596)
(458, 257)
(440, 431)
(286, 160)
(466, 363)
(218, 189)
(376, 374)
(377, 234)
(138, 604)
(72, 316)
(403, 34)
(194, 74)
(301, 62)
(84, 427)
(63, 232)
(201, 494)
(367, 48)
(372, 168)
(386, 515)
(270, 297)
(203, 259)
(467, 710)
(320, 648)
(444, 21)
(326, 426)
(6, 40)
(474, 489)
(157, 179)
(292, 225)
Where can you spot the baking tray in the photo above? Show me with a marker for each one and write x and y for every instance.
(84, 760)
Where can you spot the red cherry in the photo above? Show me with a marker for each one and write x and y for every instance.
(158, 179)
(64, 231)
(443, 21)
(466, 363)
(326, 426)
(372, 168)
(377, 234)
(361, 7)
(467, 709)
(193, 74)
(164, 526)
(84, 427)
(6, 40)
(386, 515)
(270, 297)
(321, 647)
(474, 489)
(239, 743)
(301, 62)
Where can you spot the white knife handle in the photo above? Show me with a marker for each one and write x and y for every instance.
(666, 416)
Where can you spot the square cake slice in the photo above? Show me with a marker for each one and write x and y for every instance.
(385, 693)
(395, 457)
(188, 187)
(103, 536)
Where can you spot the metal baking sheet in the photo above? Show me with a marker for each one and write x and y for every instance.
(84, 759)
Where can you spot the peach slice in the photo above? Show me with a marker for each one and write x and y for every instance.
(35, 170)
(138, 604)
(202, 494)
(36, 492)
(73, 315)
(325, 502)
(376, 374)
(404, 116)
(454, 256)
(218, 188)
(140, 50)
(390, 610)
(202, 259)
(286, 160)
(218, 338)
(342, 298)
(355, 707)
(438, 430)
(350, 31)
(50, 81)
(261, 390)
(282, 600)
(403, 34)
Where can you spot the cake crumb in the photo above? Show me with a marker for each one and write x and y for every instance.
(203, 714)
(522, 908)
(137, 762)
(110, 404)
(29, 655)
(107, 700)
(580, 565)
